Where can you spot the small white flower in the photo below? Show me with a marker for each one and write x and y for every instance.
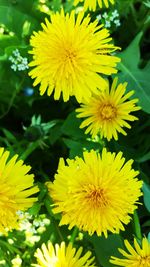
(105, 15)
(115, 13)
(14, 67)
(109, 18)
(19, 63)
(107, 24)
(99, 17)
(16, 53)
(46, 221)
(117, 22)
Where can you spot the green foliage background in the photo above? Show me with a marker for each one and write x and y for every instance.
(42, 130)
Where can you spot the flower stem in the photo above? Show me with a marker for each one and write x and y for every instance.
(47, 204)
(74, 234)
(137, 227)
(29, 150)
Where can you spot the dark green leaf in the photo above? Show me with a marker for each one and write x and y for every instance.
(138, 79)
(71, 126)
(146, 196)
(104, 248)
(77, 147)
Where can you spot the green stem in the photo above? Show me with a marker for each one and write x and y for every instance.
(47, 204)
(3, 58)
(9, 247)
(134, 14)
(13, 97)
(137, 227)
(74, 234)
(30, 149)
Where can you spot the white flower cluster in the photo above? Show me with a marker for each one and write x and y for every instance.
(109, 18)
(18, 62)
(33, 227)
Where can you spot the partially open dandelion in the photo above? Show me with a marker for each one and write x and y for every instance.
(69, 56)
(62, 255)
(16, 187)
(91, 4)
(108, 112)
(137, 256)
(96, 193)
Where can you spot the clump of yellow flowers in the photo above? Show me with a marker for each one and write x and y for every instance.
(99, 192)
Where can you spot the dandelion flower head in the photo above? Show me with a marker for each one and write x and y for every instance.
(91, 4)
(108, 112)
(96, 193)
(16, 187)
(69, 56)
(137, 256)
(62, 255)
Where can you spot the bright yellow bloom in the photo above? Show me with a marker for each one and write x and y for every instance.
(91, 4)
(62, 256)
(96, 193)
(108, 112)
(70, 54)
(135, 257)
(16, 186)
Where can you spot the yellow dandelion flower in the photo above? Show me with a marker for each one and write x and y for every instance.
(137, 256)
(96, 193)
(91, 4)
(62, 255)
(108, 112)
(16, 187)
(70, 54)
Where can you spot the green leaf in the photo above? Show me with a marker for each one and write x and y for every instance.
(77, 147)
(8, 88)
(147, 3)
(23, 50)
(71, 126)
(17, 22)
(55, 133)
(10, 248)
(10, 137)
(105, 248)
(34, 210)
(144, 158)
(55, 5)
(146, 196)
(8, 40)
(138, 79)
(146, 224)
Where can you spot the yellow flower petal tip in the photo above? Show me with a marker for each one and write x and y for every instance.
(62, 255)
(97, 193)
(107, 113)
(92, 4)
(70, 59)
(16, 187)
(137, 256)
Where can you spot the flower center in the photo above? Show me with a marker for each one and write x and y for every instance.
(70, 54)
(67, 60)
(108, 112)
(144, 261)
(97, 196)
(67, 55)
